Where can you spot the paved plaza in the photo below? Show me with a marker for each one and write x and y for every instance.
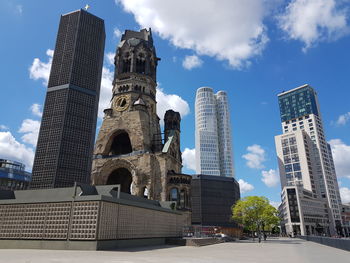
(273, 250)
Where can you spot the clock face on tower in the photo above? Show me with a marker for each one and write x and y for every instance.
(122, 103)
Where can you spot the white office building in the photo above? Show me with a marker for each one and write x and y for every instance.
(306, 165)
(213, 134)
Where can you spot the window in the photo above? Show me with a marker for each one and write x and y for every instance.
(286, 151)
(292, 140)
(289, 176)
(295, 158)
(284, 142)
(174, 194)
(296, 166)
(297, 175)
(287, 159)
(288, 168)
(293, 149)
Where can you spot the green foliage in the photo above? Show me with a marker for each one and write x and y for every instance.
(255, 213)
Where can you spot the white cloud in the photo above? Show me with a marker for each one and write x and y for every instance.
(170, 102)
(189, 159)
(117, 33)
(270, 178)
(244, 186)
(345, 195)
(36, 110)
(275, 204)
(343, 119)
(311, 21)
(106, 91)
(255, 156)
(11, 149)
(30, 128)
(191, 62)
(341, 156)
(3, 127)
(41, 70)
(230, 30)
(110, 58)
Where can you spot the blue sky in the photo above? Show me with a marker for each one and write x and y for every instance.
(253, 49)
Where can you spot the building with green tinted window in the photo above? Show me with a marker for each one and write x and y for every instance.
(306, 165)
(297, 103)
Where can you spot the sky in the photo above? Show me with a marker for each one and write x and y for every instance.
(252, 49)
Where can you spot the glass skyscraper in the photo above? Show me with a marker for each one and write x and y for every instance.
(67, 133)
(306, 165)
(213, 134)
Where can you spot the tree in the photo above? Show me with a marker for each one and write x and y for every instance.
(255, 213)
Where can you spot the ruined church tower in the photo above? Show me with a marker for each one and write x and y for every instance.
(130, 149)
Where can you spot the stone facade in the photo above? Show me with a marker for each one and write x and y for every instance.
(130, 149)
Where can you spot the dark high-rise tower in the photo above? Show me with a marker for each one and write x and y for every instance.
(67, 132)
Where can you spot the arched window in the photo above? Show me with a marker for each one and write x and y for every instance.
(174, 194)
(126, 65)
(140, 65)
(121, 144)
(123, 177)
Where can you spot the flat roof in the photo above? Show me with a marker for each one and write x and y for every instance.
(288, 91)
(81, 194)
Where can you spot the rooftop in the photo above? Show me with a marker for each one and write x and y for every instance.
(292, 90)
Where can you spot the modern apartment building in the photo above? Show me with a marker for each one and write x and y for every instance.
(306, 166)
(213, 134)
(67, 133)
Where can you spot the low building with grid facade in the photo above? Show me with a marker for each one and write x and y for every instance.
(84, 217)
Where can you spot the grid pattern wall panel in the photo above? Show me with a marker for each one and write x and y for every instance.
(108, 221)
(78, 133)
(135, 222)
(57, 221)
(35, 221)
(49, 140)
(64, 50)
(84, 221)
(11, 220)
(86, 70)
